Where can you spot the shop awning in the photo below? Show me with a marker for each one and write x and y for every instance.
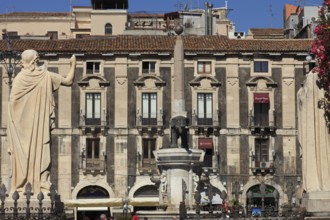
(261, 98)
(144, 201)
(112, 202)
(92, 208)
(205, 143)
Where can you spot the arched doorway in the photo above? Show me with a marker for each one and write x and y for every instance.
(92, 193)
(262, 200)
(148, 191)
(211, 196)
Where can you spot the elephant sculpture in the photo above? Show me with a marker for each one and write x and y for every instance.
(179, 130)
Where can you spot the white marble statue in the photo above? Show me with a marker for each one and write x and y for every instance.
(163, 183)
(196, 182)
(30, 118)
(313, 137)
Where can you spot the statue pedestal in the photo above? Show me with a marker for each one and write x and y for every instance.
(177, 165)
(317, 203)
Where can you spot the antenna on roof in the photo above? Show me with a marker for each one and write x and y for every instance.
(185, 7)
(179, 5)
(271, 13)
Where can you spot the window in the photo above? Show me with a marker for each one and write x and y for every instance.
(93, 67)
(149, 145)
(81, 36)
(261, 151)
(53, 35)
(204, 113)
(148, 67)
(261, 109)
(208, 158)
(93, 109)
(149, 108)
(260, 66)
(204, 67)
(93, 153)
(108, 29)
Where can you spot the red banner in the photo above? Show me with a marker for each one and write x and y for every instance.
(261, 98)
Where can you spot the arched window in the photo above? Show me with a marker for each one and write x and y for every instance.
(108, 29)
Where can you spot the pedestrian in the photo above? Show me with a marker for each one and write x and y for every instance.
(135, 216)
(103, 217)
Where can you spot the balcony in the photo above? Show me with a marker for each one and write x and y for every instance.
(93, 165)
(147, 165)
(262, 126)
(96, 126)
(206, 127)
(150, 125)
(263, 167)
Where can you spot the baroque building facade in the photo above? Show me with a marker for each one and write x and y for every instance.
(240, 98)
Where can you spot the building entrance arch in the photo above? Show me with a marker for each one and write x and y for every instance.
(92, 192)
(262, 200)
(147, 191)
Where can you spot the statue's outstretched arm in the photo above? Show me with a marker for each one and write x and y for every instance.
(69, 78)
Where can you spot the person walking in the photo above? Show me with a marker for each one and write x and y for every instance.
(103, 217)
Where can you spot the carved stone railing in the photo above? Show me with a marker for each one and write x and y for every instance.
(156, 127)
(263, 167)
(207, 128)
(101, 127)
(95, 166)
(265, 128)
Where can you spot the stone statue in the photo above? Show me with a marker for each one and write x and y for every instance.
(179, 130)
(163, 183)
(196, 182)
(313, 137)
(30, 117)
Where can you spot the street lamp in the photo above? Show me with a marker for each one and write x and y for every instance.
(9, 59)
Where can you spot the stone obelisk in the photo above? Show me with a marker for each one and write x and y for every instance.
(176, 162)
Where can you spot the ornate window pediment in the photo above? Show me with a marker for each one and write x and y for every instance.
(198, 80)
(142, 80)
(86, 81)
(253, 82)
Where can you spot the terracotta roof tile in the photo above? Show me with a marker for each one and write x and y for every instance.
(155, 44)
(205, 43)
(289, 46)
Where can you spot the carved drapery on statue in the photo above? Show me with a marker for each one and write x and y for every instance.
(313, 137)
(30, 118)
(31, 108)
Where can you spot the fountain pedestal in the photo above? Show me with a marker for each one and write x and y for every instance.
(177, 166)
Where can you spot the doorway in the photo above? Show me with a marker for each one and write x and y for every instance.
(262, 200)
(92, 193)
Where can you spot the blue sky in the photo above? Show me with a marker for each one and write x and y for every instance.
(245, 13)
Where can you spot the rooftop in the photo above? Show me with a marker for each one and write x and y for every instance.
(156, 44)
